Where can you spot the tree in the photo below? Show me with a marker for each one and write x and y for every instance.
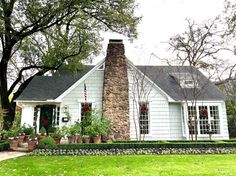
(40, 36)
(197, 47)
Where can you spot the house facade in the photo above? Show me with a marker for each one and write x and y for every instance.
(141, 102)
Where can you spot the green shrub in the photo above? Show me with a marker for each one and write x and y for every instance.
(47, 143)
(27, 130)
(42, 131)
(4, 145)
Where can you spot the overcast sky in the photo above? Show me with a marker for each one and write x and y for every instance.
(161, 20)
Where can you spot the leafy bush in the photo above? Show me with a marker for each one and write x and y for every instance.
(4, 145)
(27, 129)
(47, 143)
(182, 145)
(42, 131)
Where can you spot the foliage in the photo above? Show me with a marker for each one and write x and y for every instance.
(98, 125)
(2, 113)
(4, 145)
(177, 165)
(151, 145)
(42, 131)
(231, 115)
(33, 135)
(27, 129)
(58, 133)
(52, 129)
(47, 143)
(40, 36)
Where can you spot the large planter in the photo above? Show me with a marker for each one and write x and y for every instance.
(79, 139)
(21, 138)
(31, 145)
(13, 144)
(97, 139)
(57, 140)
(41, 137)
(71, 139)
(86, 139)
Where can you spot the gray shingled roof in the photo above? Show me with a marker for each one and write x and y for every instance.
(163, 77)
(44, 88)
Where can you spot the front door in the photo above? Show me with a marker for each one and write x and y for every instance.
(46, 116)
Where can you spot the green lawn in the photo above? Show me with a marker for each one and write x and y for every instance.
(121, 165)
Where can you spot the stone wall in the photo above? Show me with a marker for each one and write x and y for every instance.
(115, 93)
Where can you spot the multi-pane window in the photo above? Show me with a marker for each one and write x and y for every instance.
(144, 118)
(192, 114)
(85, 109)
(214, 120)
(207, 120)
(203, 119)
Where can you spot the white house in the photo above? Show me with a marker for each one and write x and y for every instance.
(151, 102)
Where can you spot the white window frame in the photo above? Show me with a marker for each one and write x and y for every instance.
(208, 104)
(148, 114)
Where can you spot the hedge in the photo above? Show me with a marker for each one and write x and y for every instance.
(180, 145)
(4, 145)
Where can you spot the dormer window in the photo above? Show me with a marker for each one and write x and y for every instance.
(188, 83)
(186, 80)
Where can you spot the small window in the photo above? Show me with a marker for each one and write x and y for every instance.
(144, 118)
(188, 84)
(85, 109)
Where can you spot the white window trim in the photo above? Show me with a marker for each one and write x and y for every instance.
(149, 121)
(207, 103)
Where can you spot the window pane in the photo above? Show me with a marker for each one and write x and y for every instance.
(144, 119)
(203, 119)
(214, 120)
(192, 114)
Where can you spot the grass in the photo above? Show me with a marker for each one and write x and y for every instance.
(142, 165)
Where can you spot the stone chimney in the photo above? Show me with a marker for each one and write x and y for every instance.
(115, 90)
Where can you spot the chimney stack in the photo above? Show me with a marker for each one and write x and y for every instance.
(115, 90)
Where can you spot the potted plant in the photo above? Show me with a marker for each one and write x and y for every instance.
(32, 141)
(27, 131)
(57, 135)
(13, 141)
(42, 133)
(71, 134)
(78, 134)
(21, 135)
(51, 130)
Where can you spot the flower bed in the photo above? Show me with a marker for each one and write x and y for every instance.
(141, 148)
(4, 145)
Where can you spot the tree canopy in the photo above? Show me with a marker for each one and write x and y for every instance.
(38, 36)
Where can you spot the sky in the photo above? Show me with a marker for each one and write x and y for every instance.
(161, 19)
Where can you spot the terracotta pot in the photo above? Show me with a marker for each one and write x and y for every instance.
(58, 140)
(71, 139)
(21, 138)
(31, 145)
(14, 143)
(79, 139)
(41, 137)
(97, 139)
(87, 140)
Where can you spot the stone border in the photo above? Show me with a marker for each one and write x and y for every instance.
(140, 151)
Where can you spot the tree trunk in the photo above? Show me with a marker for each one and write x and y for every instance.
(8, 117)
